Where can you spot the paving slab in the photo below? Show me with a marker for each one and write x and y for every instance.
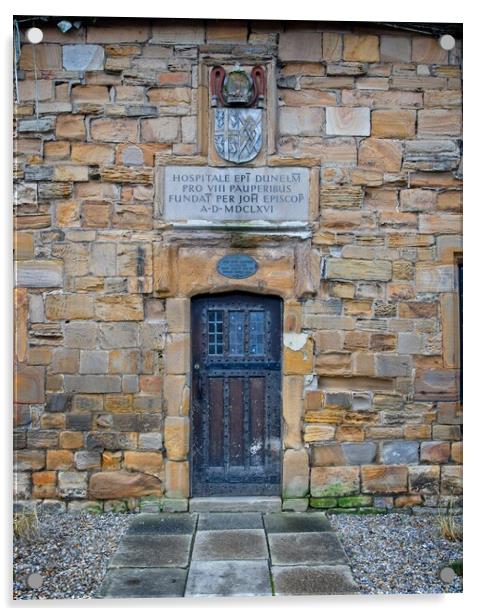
(143, 583)
(296, 523)
(229, 521)
(316, 580)
(235, 504)
(248, 578)
(164, 523)
(152, 551)
(306, 549)
(230, 545)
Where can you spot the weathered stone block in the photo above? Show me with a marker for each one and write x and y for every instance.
(396, 124)
(72, 484)
(315, 433)
(382, 479)
(380, 154)
(92, 384)
(295, 473)
(119, 130)
(177, 354)
(359, 453)
(424, 479)
(334, 481)
(119, 308)
(426, 50)
(83, 57)
(361, 47)
(357, 269)
(292, 410)
(395, 49)
(149, 462)
(70, 127)
(160, 130)
(354, 121)
(341, 197)
(392, 365)
(434, 122)
(301, 121)
(451, 480)
(123, 484)
(176, 437)
(28, 460)
(177, 479)
(29, 385)
(45, 57)
(399, 452)
(39, 274)
(305, 46)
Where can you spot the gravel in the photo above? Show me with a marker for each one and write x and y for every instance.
(397, 553)
(71, 553)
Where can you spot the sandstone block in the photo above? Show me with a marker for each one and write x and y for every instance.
(125, 362)
(96, 215)
(382, 479)
(424, 479)
(399, 452)
(119, 130)
(361, 47)
(301, 122)
(392, 365)
(119, 335)
(178, 315)
(61, 460)
(39, 274)
(92, 154)
(457, 452)
(160, 130)
(119, 308)
(29, 386)
(92, 384)
(356, 269)
(431, 278)
(299, 361)
(380, 154)
(177, 354)
(451, 480)
(183, 32)
(334, 481)
(333, 364)
(83, 57)
(176, 437)
(395, 49)
(315, 433)
(305, 46)
(93, 362)
(80, 335)
(123, 484)
(354, 121)
(359, 453)
(148, 462)
(328, 455)
(177, 479)
(70, 127)
(127, 33)
(341, 197)
(28, 460)
(396, 124)
(332, 46)
(295, 473)
(434, 122)
(72, 484)
(71, 440)
(426, 50)
(292, 410)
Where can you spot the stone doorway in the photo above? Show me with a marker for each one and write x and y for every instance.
(236, 395)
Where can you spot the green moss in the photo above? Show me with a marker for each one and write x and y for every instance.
(457, 566)
(322, 503)
(336, 488)
(371, 510)
(94, 509)
(354, 501)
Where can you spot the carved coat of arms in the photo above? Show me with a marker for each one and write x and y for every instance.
(238, 99)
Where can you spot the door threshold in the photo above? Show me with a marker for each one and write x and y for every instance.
(235, 504)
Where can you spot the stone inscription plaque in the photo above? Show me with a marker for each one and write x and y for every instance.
(237, 266)
(221, 195)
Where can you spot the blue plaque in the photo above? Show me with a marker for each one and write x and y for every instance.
(237, 266)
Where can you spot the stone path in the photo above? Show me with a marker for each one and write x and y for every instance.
(228, 554)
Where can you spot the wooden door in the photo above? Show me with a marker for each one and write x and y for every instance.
(236, 399)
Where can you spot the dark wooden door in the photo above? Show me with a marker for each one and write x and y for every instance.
(236, 378)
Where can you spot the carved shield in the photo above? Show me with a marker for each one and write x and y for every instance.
(238, 133)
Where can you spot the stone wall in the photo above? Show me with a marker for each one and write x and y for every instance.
(371, 407)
